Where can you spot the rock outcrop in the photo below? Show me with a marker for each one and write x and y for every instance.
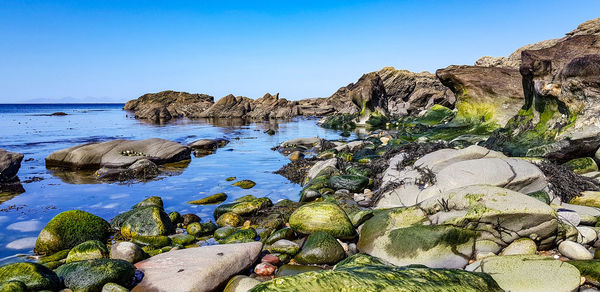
(10, 162)
(166, 105)
(267, 107)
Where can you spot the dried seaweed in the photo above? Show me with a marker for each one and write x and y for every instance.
(296, 171)
(565, 183)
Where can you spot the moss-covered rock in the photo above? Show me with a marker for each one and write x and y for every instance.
(223, 232)
(284, 233)
(320, 248)
(240, 283)
(243, 208)
(182, 239)
(284, 246)
(175, 217)
(322, 216)
(240, 236)
(353, 183)
(146, 221)
(340, 122)
(92, 275)
(229, 219)
(362, 273)
(590, 269)
(212, 199)
(290, 270)
(201, 229)
(69, 229)
(359, 217)
(34, 276)
(13, 286)
(588, 198)
(89, 250)
(311, 189)
(582, 165)
(112, 287)
(154, 241)
(57, 256)
(154, 201)
(245, 184)
(541, 195)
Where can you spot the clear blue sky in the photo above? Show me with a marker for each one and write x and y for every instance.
(117, 50)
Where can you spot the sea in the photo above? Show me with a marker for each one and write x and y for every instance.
(32, 130)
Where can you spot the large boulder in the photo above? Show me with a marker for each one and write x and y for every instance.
(322, 216)
(69, 229)
(364, 273)
(166, 105)
(10, 162)
(35, 276)
(144, 221)
(92, 275)
(364, 97)
(196, 269)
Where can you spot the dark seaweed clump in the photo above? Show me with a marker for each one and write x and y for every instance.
(565, 183)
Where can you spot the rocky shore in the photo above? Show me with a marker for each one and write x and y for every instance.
(477, 178)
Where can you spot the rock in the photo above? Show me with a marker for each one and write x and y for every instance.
(124, 250)
(271, 259)
(586, 235)
(112, 287)
(190, 218)
(212, 199)
(590, 269)
(499, 214)
(152, 241)
(290, 270)
(205, 144)
(10, 163)
(166, 105)
(243, 208)
(182, 239)
(223, 232)
(196, 269)
(154, 201)
(229, 219)
(364, 97)
(13, 286)
(201, 229)
(92, 275)
(322, 216)
(521, 246)
(588, 198)
(175, 217)
(142, 169)
(574, 250)
(320, 248)
(284, 246)
(484, 94)
(529, 273)
(353, 183)
(69, 229)
(245, 184)
(240, 283)
(284, 233)
(264, 269)
(364, 273)
(587, 215)
(569, 217)
(146, 221)
(89, 250)
(34, 276)
(241, 236)
(581, 165)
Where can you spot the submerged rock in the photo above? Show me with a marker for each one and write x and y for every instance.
(35, 276)
(212, 199)
(245, 184)
(92, 275)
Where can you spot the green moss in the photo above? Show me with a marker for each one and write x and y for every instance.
(322, 216)
(57, 256)
(353, 183)
(175, 217)
(384, 220)
(229, 219)
(285, 233)
(541, 195)
(154, 241)
(146, 221)
(240, 236)
(243, 208)
(91, 249)
(245, 184)
(69, 229)
(92, 275)
(198, 229)
(437, 114)
(213, 199)
(182, 239)
(405, 241)
(340, 122)
(150, 201)
(582, 165)
(320, 248)
(33, 275)
(13, 286)
(223, 232)
(590, 269)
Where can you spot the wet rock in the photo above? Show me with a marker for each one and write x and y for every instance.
(264, 269)
(322, 216)
(124, 250)
(182, 239)
(175, 217)
(284, 246)
(223, 232)
(153, 241)
(284, 233)
(529, 273)
(142, 169)
(243, 208)
(245, 184)
(13, 286)
(241, 236)
(205, 144)
(290, 270)
(146, 221)
(353, 183)
(364, 273)
(69, 229)
(574, 250)
(89, 250)
(196, 269)
(190, 218)
(229, 219)
(212, 199)
(522, 246)
(240, 283)
(34, 276)
(200, 229)
(112, 287)
(320, 248)
(581, 165)
(92, 275)
(588, 198)
(269, 258)
(10, 163)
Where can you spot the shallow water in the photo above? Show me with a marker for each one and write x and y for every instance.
(28, 129)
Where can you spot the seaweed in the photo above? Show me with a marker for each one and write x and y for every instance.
(565, 183)
(296, 171)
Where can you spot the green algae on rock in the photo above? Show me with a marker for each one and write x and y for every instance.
(212, 199)
(13, 286)
(581, 165)
(243, 208)
(245, 184)
(156, 241)
(198, 229)
(155, 201)
(89, 250)
(34, 276)
(146, 221)
(320, 248)
(353, 183)
(182, 239)
(588, 198)
(590, 269)
(362, 273)
(241, 236)
(223, 232)
(92, 275)
(284, 233)
(322, 216)
(290, 270)
(229, 219)
(69, 229)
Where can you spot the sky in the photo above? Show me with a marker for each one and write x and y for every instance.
(114, 51)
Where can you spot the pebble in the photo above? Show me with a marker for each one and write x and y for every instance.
(264, 269)
(270, 259)
(586, 235)
(574, 250)
(569, 217)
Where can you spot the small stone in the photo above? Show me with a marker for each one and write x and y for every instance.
(264, 269)
(245, 184)
(127, 251)
(520, 246)
(229, 219)
(586, 235)
(574, 250)
(190, 218)
(295, 155)
(271, 259)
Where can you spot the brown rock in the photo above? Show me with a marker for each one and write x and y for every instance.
(264, 269)
(166, 105)
(270, 259)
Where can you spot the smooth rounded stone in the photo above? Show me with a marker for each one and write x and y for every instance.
(491, 211)
(586, 235)
(10, 162)
(190, 218)
(590, 269)
(118, 153)
(92, 275)
(112, 287)
(182, 239)
(247, 206)
(295, 155)
(363, 273)
(240, 283)
(245, 184)
(146, 221)
(125, 250)
(229, 219)
(196, 269)
(212, 199)
(284, 246)
(271, 259)
(359, 217)
(322, 216)
(284, 233)
(154, 201)
(223, 232)
(566, 231)
(318, 167)
(569, 217)
(487, 246)
(89, 250)
(581, 165)
(320, 248)
(204, 144)
(153, 241)
(290, 270)
(529, 273)
(587, 214)
(574, 251)
(13, 286)
(241, 236)
(34, 276)
(264, 269)
(523, 246)
(587, 198)
(175, 217)
(438, 160)
(353, 183)
(69, 229)
(200, 229)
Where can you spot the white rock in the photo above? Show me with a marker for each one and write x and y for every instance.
(574, 250)
(196, 269)
(520, 246)
(586, 235)
(125, 250)
(319, 166)
(569, 217)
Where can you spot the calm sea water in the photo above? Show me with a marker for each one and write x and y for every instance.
(28, 129)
